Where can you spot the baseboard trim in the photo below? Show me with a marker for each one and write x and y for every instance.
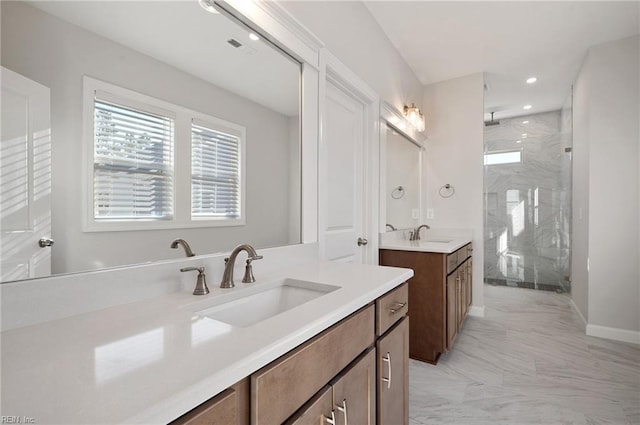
(476, 311)
(579, 313)
(616, 334)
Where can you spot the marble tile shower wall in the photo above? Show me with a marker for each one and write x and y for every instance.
(528, 202)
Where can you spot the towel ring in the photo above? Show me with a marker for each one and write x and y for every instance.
(447, 191)
(397, 193)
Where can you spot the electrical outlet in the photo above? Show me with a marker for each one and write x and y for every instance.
(430, 214)
(415, 214)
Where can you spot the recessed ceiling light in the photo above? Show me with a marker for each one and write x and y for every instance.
(524, 135)
(518, 141)
(525, 122)
(253, 36)
(531, 80)
(526, 107)
(208, 6)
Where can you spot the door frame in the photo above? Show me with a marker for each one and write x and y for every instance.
(334, 71)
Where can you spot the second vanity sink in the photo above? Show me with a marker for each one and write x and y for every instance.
(276, 298)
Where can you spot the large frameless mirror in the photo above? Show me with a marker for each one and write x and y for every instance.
(402, 168)
(126, 125)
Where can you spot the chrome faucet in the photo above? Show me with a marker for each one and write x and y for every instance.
(390, 226)
(414, 235)
(229, 263)
(185, 245)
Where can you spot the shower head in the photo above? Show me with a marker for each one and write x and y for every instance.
(491, 122)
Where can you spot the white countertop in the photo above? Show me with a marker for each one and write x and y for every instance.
(440, 245)
(438, 240)
(151, 361)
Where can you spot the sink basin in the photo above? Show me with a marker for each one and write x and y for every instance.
(276, 298)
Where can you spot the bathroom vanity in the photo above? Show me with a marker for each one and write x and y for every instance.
(153, 361)
(440, 292)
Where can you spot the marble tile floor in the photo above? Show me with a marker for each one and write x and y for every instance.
(527, 362)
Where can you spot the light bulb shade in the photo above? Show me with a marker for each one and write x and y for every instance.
(421, 123)
(415, 117)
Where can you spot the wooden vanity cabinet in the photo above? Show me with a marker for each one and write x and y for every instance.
(230, 407)
(440, 297)
(354, 372)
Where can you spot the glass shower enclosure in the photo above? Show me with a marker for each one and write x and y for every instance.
(527, 201)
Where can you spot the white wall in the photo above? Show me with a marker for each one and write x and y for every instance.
(454, 155)
(351, 33)
(580, 193)
(57, 54)
(606, 132)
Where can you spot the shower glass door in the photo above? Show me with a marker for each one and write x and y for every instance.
(527, 201)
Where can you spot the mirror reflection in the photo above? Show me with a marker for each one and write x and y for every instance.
(403, 181)
(126, 125)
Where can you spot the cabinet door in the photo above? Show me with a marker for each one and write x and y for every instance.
(354, 397)
(469, 282)
(318, 411)
(393, 375)
(462, 302)
(452, 309)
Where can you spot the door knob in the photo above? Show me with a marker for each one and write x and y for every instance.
(362, 241)
(45, 242)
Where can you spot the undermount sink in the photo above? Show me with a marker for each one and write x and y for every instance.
(276, 298)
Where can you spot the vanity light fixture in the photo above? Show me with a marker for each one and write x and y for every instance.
(527, 107)
(414, 116)
(208, 6)
(531, 80)
(253, 37)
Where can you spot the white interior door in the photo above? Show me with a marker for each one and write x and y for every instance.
(348, 129)
(343, 143)
(25, 177)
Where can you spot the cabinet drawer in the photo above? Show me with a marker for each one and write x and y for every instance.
(452, 261)
(391, 307)
(467, 251)
(282, 387)
(230, 407)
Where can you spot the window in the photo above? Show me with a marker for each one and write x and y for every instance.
(215, 173)
(133, 163)
(503, 157)
(134, 143)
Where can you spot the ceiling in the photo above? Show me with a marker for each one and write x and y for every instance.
(508, 40)
(185, 36)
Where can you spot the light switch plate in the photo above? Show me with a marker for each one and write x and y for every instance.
(415, 214)
(430, 213)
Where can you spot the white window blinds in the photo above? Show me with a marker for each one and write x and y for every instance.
(215, 173)
(133, 162)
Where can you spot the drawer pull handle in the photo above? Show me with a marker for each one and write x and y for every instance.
(343, 409)
(400, 307)
(332, 419)
(388, 360)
